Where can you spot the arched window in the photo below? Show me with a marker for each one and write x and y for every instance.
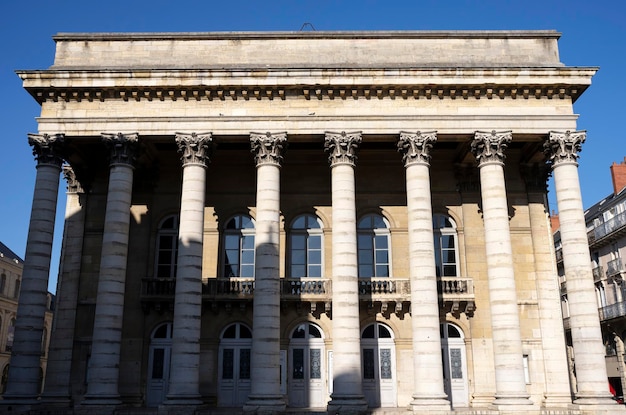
(167, 247)
(306, 247)
(446, 254)
(239, 247)
(373, 245)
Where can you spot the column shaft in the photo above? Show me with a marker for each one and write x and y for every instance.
(57, 385)
(347, 372)
(23, 383)
(103, 375)
(265, 354)
(505, 323)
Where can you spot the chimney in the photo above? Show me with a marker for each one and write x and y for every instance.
(618, 174)
(554, 221)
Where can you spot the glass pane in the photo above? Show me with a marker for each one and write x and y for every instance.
(368, 333)
(381, 241)
(312, 222)
(383, 332)
(227, 364)
(456, 366)
(232, 224)
(299, 332)
(298, 364)
(244, 364)
(165, 257)
(315, 364)
(315, 242)
(298, 271)
(453, 333)
(247, 242)
(379, 222)
(158, 359)
(366, 256)
(230, 332)
(315, 271)
(231, 241)
(365, 223)
(314, 333)
(366, 271)
(447, 241)
(365, 241)
(299, 223)
(315, 257)
(298, 256)
(449, 257)
(165, 242)
(368, 364)
(244, 332)
(247, 271)
(298, 242)
(161, 332)
(246, 223)
(247, 257)
(382, 270)
(449, 271)
(385, 363)
(382, 257)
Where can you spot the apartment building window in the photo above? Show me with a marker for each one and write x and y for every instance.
(16, 289)
(239, 247)
(305, 241)
(446, 243)
(373, 247)
(3, 282)
(167, 247)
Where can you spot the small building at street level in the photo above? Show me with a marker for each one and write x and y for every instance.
(340, 222)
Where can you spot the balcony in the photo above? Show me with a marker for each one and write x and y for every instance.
(612, 311)
(613, 227)
(614, 267)
(559, 255)
(457, 293)
(598, 273)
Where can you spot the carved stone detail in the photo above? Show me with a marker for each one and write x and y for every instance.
(268, 148)
(535, 176)
(415, 147)
(47, 149)
(563, 147)
(342, 147)
(489, 146)
(195, 148)
(123, 147)
(73, 185)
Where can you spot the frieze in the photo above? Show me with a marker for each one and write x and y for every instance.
(194, 148)
(268, 148)
(489, 146)
(123, 147)
(342, 147)
(47, 149)
(563, 147)
(416, 147)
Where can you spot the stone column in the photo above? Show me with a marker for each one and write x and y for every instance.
(184, 387)
(265, 393)
(23, 381)
(347, 393)
(429, 394)
(488, 148)
(557, 390)
(57, 385)
(103, 375)
(562, 150)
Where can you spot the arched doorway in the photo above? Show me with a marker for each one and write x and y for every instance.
(159, 364)
(307, 377)
(234, 365)
(378, 352)
(454, 365)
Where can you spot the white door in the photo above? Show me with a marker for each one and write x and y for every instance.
(307, 378)
(159, 364)
(455, 366)
(379, 372)
(234, 366)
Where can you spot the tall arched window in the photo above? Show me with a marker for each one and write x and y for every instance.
(446, 253)
(373, 245)
(167, 247)
(306, 247)
(239, 247)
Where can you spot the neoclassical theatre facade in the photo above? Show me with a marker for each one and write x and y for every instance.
(308, 221)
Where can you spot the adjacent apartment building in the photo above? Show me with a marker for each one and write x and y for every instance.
(606, 234)
(309, 221)
(10, 282)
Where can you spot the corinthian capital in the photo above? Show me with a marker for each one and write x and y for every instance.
(123, 147)
(73, 185)
(561, 147)
(47, 149)
(268, 148)
(489, 146)
(415, 147)
(195, 148)
(342, 147)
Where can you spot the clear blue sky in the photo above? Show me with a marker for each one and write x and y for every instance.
(593, 34)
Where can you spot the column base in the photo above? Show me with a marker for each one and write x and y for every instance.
(522, 400)
(594, 399)
(103, 400)
(558, 401)
(610, 409)
(346, 404)
(430, 403)
(176, 408)
(185, 400)
(265, 404)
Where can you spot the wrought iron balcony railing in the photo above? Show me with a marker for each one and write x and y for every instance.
(614, 267)
(598, 273)
(612, 311)
(615, 224)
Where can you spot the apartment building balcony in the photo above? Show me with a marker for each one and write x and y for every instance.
(607, 231)
(598, 273)
(612, 311)
(383, 294)
(614, 268)
(559, 255)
